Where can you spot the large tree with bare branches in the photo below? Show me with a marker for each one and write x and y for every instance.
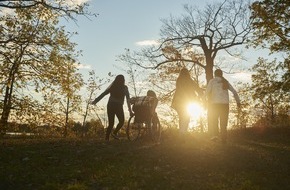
(196, 37)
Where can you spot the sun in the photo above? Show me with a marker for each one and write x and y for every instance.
(196, 112)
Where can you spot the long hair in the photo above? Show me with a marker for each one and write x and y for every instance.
(184, 76)
(219, 73)
(117, 86)
(119, 81)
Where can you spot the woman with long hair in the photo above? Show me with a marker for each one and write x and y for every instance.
(187, 91)
(218, 107)
(118, 91)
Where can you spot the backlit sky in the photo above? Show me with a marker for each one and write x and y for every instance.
(122, 24)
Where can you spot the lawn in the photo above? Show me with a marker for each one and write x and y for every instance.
(253, 159)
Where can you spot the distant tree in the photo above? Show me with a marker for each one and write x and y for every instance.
(271, 24)
(272, 30)
(266, 92)
(93, 84)
(96, 128)
(246, 116)
(32, 58)
(69, 101)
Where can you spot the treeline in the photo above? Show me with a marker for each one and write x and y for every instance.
(40, 82)
(92, 128)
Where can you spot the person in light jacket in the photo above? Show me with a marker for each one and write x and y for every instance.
(218, 107)
(118, 91)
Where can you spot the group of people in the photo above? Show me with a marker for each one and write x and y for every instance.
(187, 90)
(217, 96)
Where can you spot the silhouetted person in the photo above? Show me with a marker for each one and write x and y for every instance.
(118, 91)
(218, 107)
(152, 94)
(144, 107)
(187, 91)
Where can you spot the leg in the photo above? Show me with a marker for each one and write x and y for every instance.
(213, 120)
(154, 120)
(224, 115)
(111, 118)
(121, 118)
(183, 122)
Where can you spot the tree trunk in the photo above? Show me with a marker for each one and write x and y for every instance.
(209, 59)
(209, 68)
(7, 104)
(66, 118)
(86, 113)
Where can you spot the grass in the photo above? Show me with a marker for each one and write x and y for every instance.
(252, 160)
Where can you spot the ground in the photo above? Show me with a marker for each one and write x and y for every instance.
(253, 159)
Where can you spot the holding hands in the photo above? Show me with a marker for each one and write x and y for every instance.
(93, 102)
(131, 113)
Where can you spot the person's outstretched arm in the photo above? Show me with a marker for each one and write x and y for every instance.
(236, 96)
(100, 96)
(128, 101)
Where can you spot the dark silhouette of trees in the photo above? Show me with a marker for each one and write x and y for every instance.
(266, 91)
(33, 50)
(271, 82)
(272, 30)
(271, 24)
(61, 7)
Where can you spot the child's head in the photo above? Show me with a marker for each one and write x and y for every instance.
(218, 73)
(151, 93)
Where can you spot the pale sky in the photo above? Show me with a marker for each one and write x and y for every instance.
(121, 24)
(124, 24)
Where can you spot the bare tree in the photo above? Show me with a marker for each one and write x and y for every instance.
(94, 83)
(197, 36)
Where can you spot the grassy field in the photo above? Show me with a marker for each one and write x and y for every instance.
(254, 159)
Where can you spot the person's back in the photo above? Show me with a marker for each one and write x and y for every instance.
(118, 91)
(154, 115)
(218, 107)
(144, 106)
(218, 90)
(151, 93)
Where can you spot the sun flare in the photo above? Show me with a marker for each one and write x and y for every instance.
(195, 110)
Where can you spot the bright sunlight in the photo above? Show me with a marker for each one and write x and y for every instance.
(196, 112)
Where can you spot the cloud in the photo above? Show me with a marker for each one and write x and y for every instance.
(242, 76)
(6, 11)
(147, 43)
(81, 1)
(83, 66)
(76, 2)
